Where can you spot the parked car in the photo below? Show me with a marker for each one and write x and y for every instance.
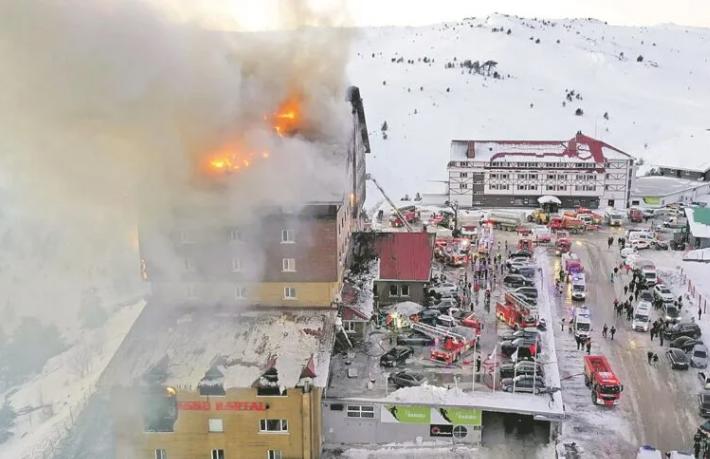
(446, 320)
(684, 343)
(405, 379)
(646, 295)
(522, 333)
(444, 289)
(525, 367)
(527, 291)
(414, 339)
(396, 356)
(682, 329)
(527, 271)
(663, 293)
(445, 304)
(523, 383)
(527, 347)
(428, 316)
(704, 403)
(520, 254)
(699, 356)
(517, 280)
(671, 312)
(640, 244)
(677, 359)
(648, 452)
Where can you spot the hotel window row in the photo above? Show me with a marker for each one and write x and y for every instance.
(287, 265)
(235, 235)
(219, 454)
(240, 292)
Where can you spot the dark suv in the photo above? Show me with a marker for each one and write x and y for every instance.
(395, 356)
(683, 329)
(517, 280)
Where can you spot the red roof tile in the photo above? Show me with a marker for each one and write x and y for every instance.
(405, 256)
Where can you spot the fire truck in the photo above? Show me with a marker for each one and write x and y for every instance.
(411, 216)
(516, 312)
(600, 378)
(467, 319)
(526, 245)
(453, 252)
(635, 215)
(452, 342)
(567, 223)
(572, 264)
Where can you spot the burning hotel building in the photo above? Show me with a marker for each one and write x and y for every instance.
(235, 348)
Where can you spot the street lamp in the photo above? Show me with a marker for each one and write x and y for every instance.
(454, 205)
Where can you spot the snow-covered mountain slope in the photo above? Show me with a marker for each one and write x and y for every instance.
(656, 107)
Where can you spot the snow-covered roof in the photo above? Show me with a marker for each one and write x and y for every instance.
(580, 148)
(657, 185)
(242, 344)
(699, 221)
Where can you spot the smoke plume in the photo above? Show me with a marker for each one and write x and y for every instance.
(109, 107)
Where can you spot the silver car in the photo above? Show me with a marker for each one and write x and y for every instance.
(699, 356)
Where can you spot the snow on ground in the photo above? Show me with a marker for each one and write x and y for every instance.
(427, 105)
(48, 404)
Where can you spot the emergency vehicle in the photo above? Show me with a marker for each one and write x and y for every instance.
(600, 378)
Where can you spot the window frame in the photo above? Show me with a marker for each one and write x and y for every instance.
(236, 265)
(393, 290)
(210, 425)
(402, 289)
(282, 423)
(288, 265)
(360, 411)
(287, 293)
(236, 235)
(216, 453)
(161, 453)
(240, 292)
(274, 454)
(287, 236)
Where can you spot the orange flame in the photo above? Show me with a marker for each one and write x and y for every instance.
(287, 117)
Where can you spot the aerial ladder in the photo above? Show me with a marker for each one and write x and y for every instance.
(391, 203)
(435, 332)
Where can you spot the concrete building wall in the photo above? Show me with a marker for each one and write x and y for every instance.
(339, 428)
(385, 297)
(241, 436)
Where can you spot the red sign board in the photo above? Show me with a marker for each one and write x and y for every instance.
(200, 405)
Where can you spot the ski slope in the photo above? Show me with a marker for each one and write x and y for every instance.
(655, 107)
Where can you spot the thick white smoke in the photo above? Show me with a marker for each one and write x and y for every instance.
(108, 107)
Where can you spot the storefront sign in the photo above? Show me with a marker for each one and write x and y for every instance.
(240, 406)
(456, 416)
(194, 405)
(200, 405)
(441, 430)
(405, 414)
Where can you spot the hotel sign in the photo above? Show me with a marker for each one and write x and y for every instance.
(205, 405)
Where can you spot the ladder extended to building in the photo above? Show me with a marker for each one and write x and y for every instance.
(436, 332)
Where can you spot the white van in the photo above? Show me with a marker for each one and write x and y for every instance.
(642, 316)
(613, 217)
(648, 273)
(579, 287)
(648, 452)
(582, 324)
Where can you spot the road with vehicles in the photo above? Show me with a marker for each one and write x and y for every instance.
(658, 404)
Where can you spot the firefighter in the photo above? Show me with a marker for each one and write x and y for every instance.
(604, 330)
(612, 331)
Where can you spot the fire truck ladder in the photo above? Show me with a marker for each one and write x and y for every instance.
(396, 210)
(436, 332)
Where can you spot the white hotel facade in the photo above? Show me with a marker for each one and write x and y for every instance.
(581, 171)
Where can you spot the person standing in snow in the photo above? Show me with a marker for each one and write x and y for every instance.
(604, 330)
(589, 346)
(612, 331)
(562, 323)
(610, 241)
(700, 313)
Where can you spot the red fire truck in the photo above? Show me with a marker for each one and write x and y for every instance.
(635, 215)
(411, 216)
(599, 377)
(516, 312)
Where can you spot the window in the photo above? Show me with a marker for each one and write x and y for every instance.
(185, 237)
(240, 293)
(562, 187)
(532, 176)
(550, 176)
(273, 425)
(463, 164)
(404, 290)
(191, 291)
(349, 326)
(522, 176)
(463, 174)
(550, 187)
(504, 187)
(532, 187)
(161, 454)
(494, 176)
(460, 431)
(289, 293)
(215, 425)
(287, 236)
(236, 265)
(393, 290)
(236, 235)
(522, 187)
(361, 411)
(273, 454)
(288, 264)
(189, 264)
(464, 186)
(217, 454)
(504, 176)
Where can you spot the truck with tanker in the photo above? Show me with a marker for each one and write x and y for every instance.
(601, 379)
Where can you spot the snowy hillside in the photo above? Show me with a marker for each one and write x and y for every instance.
(655, 106)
